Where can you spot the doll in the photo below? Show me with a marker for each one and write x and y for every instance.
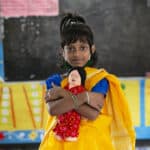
(67, 127)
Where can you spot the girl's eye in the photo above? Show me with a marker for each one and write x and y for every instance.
(71, 49)
(82, 48)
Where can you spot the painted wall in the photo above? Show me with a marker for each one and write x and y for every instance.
(1, 62)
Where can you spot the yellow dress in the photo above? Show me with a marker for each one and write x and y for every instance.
(112, 130)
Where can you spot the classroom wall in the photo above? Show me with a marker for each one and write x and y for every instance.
(122, 38)
(121, 28)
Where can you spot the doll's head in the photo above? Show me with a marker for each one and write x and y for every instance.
(76, 77)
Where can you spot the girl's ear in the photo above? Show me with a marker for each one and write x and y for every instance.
(93, 48)
(63, 53)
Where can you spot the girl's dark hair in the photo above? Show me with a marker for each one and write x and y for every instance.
(82, 73)
(73, 27)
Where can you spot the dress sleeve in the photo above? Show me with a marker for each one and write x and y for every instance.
(101, 87)
(56, 79)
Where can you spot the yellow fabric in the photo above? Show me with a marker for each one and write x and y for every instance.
(122, 131)
(112, 130)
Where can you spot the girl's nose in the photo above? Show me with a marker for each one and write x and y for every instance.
(77, 52)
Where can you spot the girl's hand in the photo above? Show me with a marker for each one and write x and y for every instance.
(56, 93)
(96, 100)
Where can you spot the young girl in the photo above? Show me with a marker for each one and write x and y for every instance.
(106, 122)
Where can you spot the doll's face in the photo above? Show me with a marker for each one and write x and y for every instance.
(74, 79)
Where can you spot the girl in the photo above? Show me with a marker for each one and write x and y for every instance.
(108, 123)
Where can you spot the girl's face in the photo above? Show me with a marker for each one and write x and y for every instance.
(77, 54)
(74, 79)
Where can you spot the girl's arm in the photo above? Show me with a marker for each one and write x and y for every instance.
(92, 110)
(60, 100)
(98, 91)
(63, 102)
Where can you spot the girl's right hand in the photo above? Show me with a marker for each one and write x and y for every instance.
(56, 93)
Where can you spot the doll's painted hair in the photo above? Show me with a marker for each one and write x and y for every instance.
(82, 73)
(73, 27)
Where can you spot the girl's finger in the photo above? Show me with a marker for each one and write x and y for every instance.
(54, 85)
